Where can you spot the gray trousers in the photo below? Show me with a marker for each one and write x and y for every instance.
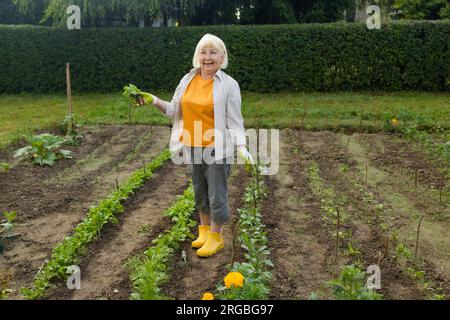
(210, 187)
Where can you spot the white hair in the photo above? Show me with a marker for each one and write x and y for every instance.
(210, 41)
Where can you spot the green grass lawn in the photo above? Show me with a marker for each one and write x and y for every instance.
(23, 114)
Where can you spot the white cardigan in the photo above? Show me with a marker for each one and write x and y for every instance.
(228, 120)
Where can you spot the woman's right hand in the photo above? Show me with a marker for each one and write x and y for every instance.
(147, 98)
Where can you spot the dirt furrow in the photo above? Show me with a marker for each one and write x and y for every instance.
(103, 271)
(190, 280)
(25, 254)
(395, 183)
(362, 226)
(297, 236)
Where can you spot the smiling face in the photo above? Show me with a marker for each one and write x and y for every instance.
(210, 60)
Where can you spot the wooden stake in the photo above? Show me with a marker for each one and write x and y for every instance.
(441, 187)
(233, 250)
(361, 119)
(386, 247)
(293, 117)
(366, 173)
(143, 164)
(337, 235)
(69, 96)
(303, 118)
(346, 152)
(378, 194)
(415, 178)
(117, 185)
(417, 237)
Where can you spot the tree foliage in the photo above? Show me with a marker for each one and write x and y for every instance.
(98, 13)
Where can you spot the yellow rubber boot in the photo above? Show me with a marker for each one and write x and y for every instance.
(202, 235)
(213, 244)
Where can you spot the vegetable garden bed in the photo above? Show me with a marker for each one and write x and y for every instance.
(337, 200)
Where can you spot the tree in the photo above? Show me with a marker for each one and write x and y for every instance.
(96, 11)
(321, 10)
(423, 9)
(266, 11)
(21, 11)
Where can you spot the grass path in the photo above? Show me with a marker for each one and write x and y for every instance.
(24, 113)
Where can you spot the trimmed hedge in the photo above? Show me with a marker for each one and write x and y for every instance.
(325, 57)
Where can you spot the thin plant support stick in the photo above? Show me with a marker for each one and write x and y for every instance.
(417, 237)
(361, 119)
(117, 184)
(337, 234)
(366, 173)
(346, 151)
(304, 117)
(386, 248)
(441, 187)
(233, 231)
(378, 194)
(69, 97)
(81, 173)
(415, 177)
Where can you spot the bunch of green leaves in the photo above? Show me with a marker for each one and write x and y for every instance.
(329, 200)
(149, 271)
(6, 227)
(254, 242)
(70, 126)
(135, 95)
(44, 149)
(4, 167)
(74, 246)
(255, 284)
(350, 285)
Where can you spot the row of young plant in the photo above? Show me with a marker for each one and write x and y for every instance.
(410, 263)
(351, 283)
(70, 250)
(436, 147)
(150, 270)
(249, 279)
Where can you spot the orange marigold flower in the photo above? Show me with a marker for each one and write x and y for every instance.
(234, 279)
(208, 296)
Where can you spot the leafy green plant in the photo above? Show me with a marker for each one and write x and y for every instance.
(352, 251)
(69, 251)
(403, 251)
(350, 285)
(254, 286)
(44, 149)
(6, 227)
(5, 167)
(136, 97)
(254, 242)
(330, 201)
(70, 127)
(149, 271)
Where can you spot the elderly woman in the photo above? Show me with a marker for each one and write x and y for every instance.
(207, 125)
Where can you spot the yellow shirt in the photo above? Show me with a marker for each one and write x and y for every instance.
(197, 105)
